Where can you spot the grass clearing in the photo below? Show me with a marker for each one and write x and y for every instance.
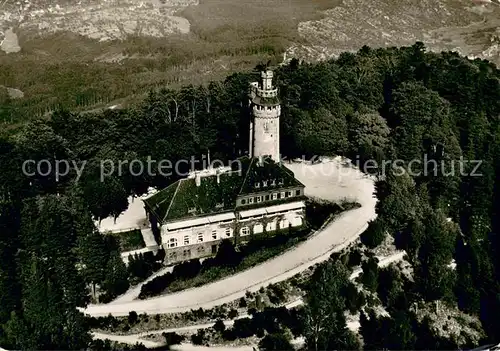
(131, 240)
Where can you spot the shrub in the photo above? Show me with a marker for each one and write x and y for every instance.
(242, 328)
(242, 303)
(199, 338)
(275, 341)
(173, 338)
(132, 317)
(374, 235)
(355, 258)
(219, 326)
(233, 314)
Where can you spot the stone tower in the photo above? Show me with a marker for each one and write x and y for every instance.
(265, 119)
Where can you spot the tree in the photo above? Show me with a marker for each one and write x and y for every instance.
(322, 133)
(116, 280)
(435, 277)
(132, 317)
(227, 255)
(369, 276)
(368, 136)
(325, 324)
(276, 341)
(375, 234)
(390, 286)
(219, 326)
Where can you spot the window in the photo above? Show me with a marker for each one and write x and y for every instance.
(297, 192)
(172, 243)
(297, 221)
(200, 237)
(228, 231)
(187, 253)
(258, 199)
(279, 195)
(250, 200)
(200, 249)
(243, 201)
(283, 194)
(271, 226)
(214, 234)
(275, 196)
(186, 240)
(244, 231)
(258, 228)
(286, 194)
(289, 193)
(284, 224)
(267, 197)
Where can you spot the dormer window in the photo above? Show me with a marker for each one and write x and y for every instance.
(273, 182)
(264, 183)
(280, 181)
(257, 185)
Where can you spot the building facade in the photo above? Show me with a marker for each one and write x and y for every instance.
(256, 196)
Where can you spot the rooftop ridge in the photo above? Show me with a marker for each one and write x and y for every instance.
(246, 176)
(172, 199)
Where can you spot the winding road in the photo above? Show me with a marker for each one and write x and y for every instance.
(139, 338)
(330, 180)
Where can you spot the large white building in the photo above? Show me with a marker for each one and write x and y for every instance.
(257, 195)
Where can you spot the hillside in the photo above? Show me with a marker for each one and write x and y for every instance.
(53, 51)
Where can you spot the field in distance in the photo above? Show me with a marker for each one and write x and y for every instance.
(92, 54)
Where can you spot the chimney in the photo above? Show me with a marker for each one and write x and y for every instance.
(197, 179)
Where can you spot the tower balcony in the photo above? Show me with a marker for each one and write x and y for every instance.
(266, 111)
(267, 92)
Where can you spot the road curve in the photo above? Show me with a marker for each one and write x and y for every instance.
(138, 338)
(331, 180)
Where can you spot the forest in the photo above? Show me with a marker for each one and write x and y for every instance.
(376, 104)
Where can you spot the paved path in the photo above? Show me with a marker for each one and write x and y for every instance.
(135, 338)
(330, 181)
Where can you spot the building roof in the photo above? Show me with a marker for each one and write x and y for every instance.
(217, 193)
(258, 173)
